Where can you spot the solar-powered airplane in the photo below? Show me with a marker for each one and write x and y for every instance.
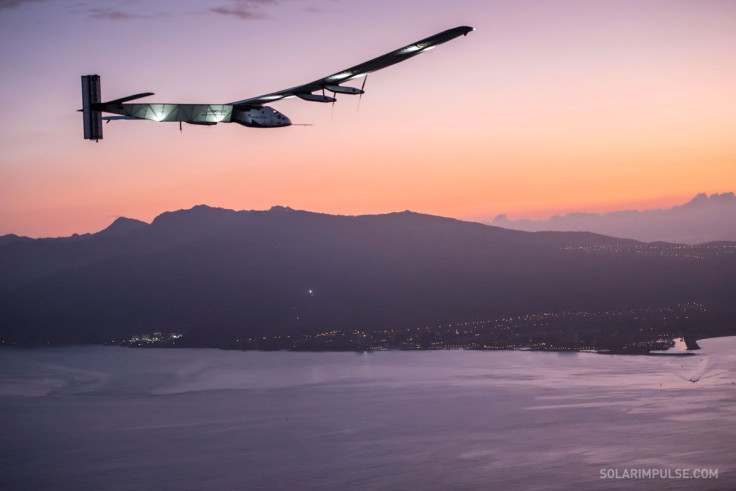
(251, 112)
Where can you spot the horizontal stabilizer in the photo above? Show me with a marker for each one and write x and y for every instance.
(130, 98)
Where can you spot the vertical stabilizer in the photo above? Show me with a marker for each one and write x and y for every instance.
(91, 95)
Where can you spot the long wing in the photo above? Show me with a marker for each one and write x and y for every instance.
(332, 82)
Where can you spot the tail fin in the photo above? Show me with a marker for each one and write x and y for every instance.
(91, 95)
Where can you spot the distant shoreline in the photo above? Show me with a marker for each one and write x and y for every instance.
(654, 353)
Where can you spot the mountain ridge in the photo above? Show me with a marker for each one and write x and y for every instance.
(217, 274)
(700, 220)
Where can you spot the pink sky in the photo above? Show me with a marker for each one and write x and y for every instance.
(547, 107)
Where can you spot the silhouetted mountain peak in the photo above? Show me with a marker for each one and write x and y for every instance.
(413, 215)
(281, 209)
(122, 226)
(7, 239)
(200, 215)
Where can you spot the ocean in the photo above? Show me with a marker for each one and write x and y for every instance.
(93, 417)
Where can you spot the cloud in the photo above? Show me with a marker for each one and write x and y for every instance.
(121, 11)
(118, 14)
(110, 14)
(244, 9)
(11, 4)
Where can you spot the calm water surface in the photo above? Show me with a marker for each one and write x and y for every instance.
(120, 418)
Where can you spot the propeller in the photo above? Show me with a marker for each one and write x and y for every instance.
(334, 99)
(332, 109)
(362, 87)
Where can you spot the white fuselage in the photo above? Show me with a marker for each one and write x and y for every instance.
(206, 114)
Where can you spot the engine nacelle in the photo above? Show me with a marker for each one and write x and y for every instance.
(260, 117)
(316, 98)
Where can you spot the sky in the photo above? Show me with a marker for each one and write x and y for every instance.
(548, 107)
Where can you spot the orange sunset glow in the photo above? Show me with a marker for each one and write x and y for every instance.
(546, 108)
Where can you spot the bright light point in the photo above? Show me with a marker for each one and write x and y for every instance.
(409, 49)
(310, 292)
(340, 76)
